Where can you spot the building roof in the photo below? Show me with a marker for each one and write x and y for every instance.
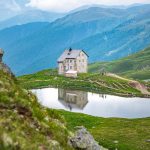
(69, 54)
(1, 51)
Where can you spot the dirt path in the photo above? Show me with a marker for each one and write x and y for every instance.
(139, 86)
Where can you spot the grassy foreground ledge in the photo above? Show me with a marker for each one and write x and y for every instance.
(93, 82)
(124, 134)
(24, 123)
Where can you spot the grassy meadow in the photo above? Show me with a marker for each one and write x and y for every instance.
(92, 82)
(112, 133)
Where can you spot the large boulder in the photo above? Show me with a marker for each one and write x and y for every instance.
(83, 140)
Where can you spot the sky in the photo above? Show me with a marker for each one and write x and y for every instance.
(9, 4)
(60, 5)
(67, 5)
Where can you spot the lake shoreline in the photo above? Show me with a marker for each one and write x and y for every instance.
(90, 82)
(92, 103)
(93, 91)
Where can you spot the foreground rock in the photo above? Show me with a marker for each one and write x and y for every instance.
(84, 140)
(5, 68)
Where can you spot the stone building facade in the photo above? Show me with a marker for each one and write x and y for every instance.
(75, 60)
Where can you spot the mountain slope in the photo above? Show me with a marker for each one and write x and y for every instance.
(127, 38)
(97, 30)
(12, 35)
(135, 66)
(24, 124)
(49, 42)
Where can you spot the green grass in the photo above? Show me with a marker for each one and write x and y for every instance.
(136, 66)
(140, 74)
(93, 82)
(131, 134)
(24, 123)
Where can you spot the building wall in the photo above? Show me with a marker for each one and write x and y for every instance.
(70, 64)
(72, 75)
(80, 64)
(60, 68)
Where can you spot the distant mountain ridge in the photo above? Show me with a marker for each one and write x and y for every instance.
(104, 33)
(30, 16)
(21, 14)
(107, 6)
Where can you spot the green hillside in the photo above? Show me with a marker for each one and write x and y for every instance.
(135, 66)
(94, 82)
(24, 124)
(131, 134)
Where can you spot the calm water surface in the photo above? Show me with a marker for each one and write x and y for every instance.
(94, 104)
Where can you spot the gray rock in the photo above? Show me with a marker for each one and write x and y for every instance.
(84, 140)
(5, 68)
(148, 140)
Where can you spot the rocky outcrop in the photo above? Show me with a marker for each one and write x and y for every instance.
(83, 140)
(5, 68)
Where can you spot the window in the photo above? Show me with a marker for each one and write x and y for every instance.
(70, 67)
(83, 60)
(65, 68)
(70, 61)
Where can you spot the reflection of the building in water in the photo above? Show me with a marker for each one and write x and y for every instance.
(73, 99)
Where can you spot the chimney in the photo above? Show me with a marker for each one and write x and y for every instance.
(1, 54)
(70, 49)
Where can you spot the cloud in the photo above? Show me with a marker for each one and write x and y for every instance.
(10, 5)
(54, 5)
(67, 5)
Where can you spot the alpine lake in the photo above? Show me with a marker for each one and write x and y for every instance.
(100, 105)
